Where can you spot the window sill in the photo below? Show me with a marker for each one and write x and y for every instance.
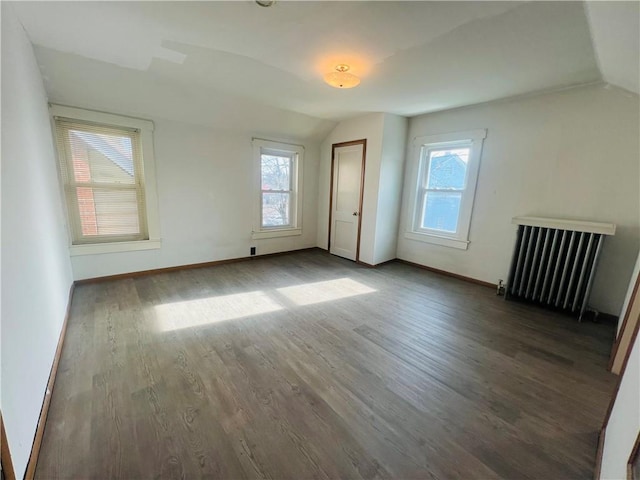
(437, 240)
(289, 232)
(99, 248)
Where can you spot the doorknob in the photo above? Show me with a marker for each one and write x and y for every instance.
(355, 214)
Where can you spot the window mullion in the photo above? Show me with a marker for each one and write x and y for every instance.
(445, 190)
(277, 191)
(104, 185)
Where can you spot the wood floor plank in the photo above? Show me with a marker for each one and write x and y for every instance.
(309, 366)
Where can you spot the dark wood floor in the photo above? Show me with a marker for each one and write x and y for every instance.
(309, 366)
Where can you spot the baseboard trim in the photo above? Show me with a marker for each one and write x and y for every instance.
(368, 265)
(599, 452)
(44, 412)
(633, 457)
(608, 318)
(449, 274)
(7, 463)
(143, 273)
(214, 263)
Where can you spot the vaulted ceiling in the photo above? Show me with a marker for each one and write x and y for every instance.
(412, 57)
(615, 28)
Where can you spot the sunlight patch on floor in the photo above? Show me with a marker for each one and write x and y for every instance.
(205, 311)
(210, 310)
(310, 293)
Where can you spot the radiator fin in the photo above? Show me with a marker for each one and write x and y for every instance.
(553, 267)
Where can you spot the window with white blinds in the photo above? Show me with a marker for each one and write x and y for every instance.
(103, 178)
(107, 174)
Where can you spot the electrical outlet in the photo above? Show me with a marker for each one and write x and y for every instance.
(253, 251)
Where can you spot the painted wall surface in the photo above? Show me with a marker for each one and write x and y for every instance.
(34, 242)
(371, 127)
(394, 141)
(616, 48)
(204, 161)
(384, 166)
(570, 154)
(207, 202)
(624, 424)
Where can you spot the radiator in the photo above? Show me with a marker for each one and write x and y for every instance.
(554, 262)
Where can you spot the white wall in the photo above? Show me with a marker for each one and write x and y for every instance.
(394, 141)
(624, 423)
(36, 271)
(206, 202)
(616, 48)
(570, 154)
(384, 165)
(371, 127)
(204, 160)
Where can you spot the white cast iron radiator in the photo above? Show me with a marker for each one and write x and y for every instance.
(554, 262)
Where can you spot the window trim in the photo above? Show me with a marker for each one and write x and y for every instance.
(71, 185)
(296, 153)
(145, 129)
(422, 145)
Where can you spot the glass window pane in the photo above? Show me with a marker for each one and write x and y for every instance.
(448, 168)
(276, 209)
(441, 210)
(276, 172)
(101, 158)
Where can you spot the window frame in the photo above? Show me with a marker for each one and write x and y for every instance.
(150, 239)
(296, 154)
(423, 146)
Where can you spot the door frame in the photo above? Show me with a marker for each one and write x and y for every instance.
(362, 142)
(633, 331)
(5, 454)
(624, 340)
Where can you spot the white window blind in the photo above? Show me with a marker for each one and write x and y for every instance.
(102, 172)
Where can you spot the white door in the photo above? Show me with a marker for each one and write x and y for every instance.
(345, 200)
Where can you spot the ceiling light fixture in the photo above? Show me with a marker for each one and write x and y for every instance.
(265, 3)
(341, 78)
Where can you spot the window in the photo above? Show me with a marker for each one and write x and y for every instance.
(280, 173)
(446, 171)
(105, 179)
(276, 171)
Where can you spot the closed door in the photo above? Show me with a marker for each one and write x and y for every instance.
(346, 198)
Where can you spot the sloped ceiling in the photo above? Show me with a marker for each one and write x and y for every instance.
(615, 28)
(78, 81)
(232, 58)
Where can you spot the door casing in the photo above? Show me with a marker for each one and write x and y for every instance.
(362, 142)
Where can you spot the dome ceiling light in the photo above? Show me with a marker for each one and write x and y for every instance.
(341, 78)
